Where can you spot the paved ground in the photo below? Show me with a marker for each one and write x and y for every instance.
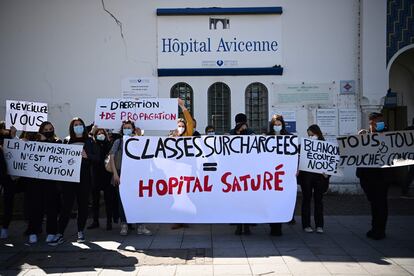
(214, 250)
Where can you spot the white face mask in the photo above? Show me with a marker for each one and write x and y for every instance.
(100, 137)
(211, 133)
(180, 130)
(314, 137)
(277, 128)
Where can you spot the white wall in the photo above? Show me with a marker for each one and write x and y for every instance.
(68, 53)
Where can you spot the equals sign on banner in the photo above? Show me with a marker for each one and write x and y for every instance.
(210, 167)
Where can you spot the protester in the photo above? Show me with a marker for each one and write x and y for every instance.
(241, 128)
(277, 126)
(405, 191)
(101, 179)
(185, 127)
(42, 195)
(195, 132)
(316, 184)
(375, 183)
(7, 183)
(210, 130)
(127, 129)
(78, 135)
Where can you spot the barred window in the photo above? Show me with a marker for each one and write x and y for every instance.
(185, 92)
(219, 107)
(257, 110)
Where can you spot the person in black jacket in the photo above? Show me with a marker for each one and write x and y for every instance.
(42, 194)
(316, 183)
(8, 185)
(277, 126)
(78, 134)
(241, 128)
(375, 183)
(101, 179)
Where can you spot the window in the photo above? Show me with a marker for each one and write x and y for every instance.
(219, 107)
(183, 91)
(256, 101)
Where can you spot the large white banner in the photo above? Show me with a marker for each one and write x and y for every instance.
(209, 179)
(26, 116)
(376, 150)
(148, 114)
(219, 41)
(43, 160)
(319, 157)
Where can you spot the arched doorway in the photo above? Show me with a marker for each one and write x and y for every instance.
(401, 81)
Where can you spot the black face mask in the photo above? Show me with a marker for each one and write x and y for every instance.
(49, 134)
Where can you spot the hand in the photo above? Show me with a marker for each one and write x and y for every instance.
(117, 181)
(325, 175)
(181, 104)
(84, 155)
(13, 131)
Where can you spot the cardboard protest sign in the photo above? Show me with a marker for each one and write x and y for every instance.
(319, 157)
(209, 179)
(26, 116)
(43, 160)
(376, 150)
(148, 114)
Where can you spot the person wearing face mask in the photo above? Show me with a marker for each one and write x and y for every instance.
(210, 130)
(316, 184)
(42, 195)
(375, 183)
(127, 129)
(277, 126)
(80, 191)
(101, 178)
(241, 128)
(7, 183)
(185, 127)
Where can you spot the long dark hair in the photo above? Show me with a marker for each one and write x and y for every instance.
(315, 129)
(41, 129)
(72, 132)
(277, 117)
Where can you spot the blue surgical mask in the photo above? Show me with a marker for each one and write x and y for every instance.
(277, 128)
(78, 129)
(380, 126)
(127, 131)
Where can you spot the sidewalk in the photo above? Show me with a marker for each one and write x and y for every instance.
(214, 250)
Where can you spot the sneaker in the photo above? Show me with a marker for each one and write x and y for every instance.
(124, 229)
(81, 237)
(57, 240)
(308, 229)
(32, 238)
(4, 234)
(142, 230)
(319, 230)
(50, 238)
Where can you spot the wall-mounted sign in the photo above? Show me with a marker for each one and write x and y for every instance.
(219, 41)
(347, 86)
(138, 88)
(303, 94)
